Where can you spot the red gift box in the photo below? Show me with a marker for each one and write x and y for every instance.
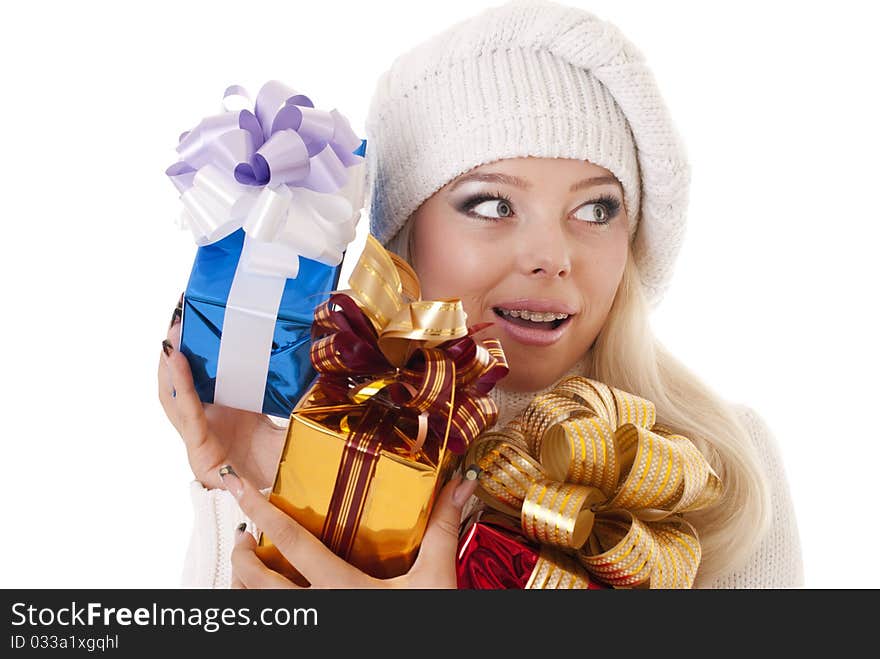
(493, 554)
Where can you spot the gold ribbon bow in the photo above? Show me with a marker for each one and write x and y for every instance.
(371, 343)
(587, 470)
(387, 290)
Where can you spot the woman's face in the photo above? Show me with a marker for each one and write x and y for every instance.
(535, 245)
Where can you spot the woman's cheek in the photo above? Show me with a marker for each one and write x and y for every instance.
(600, 275)
(457, 270)
(606, 282)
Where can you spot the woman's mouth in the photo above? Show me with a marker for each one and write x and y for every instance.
(539, 328)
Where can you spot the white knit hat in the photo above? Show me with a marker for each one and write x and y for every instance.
(529, 78)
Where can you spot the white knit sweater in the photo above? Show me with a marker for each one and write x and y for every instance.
(776, 563)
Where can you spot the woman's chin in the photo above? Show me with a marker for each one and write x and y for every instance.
(527, 381)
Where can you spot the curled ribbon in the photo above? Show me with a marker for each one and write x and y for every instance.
(588, 471)
(284, 172)
(384, 343)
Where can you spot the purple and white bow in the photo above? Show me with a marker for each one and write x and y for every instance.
(284, 172)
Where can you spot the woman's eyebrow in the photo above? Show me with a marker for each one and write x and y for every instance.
(518, 182)
(590, 182)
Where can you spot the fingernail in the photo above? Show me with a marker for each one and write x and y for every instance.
(241, 527)
(231, 481)
(468, 485)
(178, 312)
(167, 348)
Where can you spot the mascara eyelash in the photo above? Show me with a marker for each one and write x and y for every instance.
(476, 200)
(612, 205)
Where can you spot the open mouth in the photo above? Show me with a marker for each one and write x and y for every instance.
(540, 321)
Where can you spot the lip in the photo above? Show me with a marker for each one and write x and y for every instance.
(532, 337)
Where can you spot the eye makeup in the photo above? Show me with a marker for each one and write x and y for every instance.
(611, 204)
(608, 201)
(471, 202)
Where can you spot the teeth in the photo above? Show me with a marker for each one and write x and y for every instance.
(534, 316)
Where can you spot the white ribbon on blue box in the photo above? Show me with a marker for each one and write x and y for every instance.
(272, 198)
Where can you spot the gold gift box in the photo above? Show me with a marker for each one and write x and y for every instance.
(398, 500)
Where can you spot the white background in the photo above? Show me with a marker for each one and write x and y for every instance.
(773, 301)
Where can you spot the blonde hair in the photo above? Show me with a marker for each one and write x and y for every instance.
(628, 356)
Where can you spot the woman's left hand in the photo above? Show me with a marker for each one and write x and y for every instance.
(434, 567)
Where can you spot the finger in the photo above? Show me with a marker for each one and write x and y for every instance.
(189, 412)
(249, 571)
(163, 379)
(173, 334)
(440, 542)
(235, 583)
(320, 566)
(167, 394)
(177, 314)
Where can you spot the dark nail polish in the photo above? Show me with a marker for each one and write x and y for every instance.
(231, 481)
(167, 348)
(241, 527)
(472, 473)
(175, 316)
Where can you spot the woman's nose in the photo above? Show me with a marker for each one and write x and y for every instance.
(544, 252)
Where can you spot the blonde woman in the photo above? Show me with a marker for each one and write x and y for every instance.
(522, 160)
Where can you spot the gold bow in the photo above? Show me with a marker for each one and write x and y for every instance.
(387, 290)
(371, 342)
(587, 469)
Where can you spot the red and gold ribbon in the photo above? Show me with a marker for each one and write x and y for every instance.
(587, 470)
(384, 341)
(387, 356)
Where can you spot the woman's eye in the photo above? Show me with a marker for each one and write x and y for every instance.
(492, 206)
(593, 213)
(600, 211)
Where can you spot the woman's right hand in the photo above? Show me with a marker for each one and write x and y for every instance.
(215, 435)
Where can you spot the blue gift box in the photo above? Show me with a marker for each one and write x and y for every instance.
(204, 307)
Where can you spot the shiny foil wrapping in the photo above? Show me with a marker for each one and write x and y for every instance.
(493, 554)
(398, 501)
(204, 308)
